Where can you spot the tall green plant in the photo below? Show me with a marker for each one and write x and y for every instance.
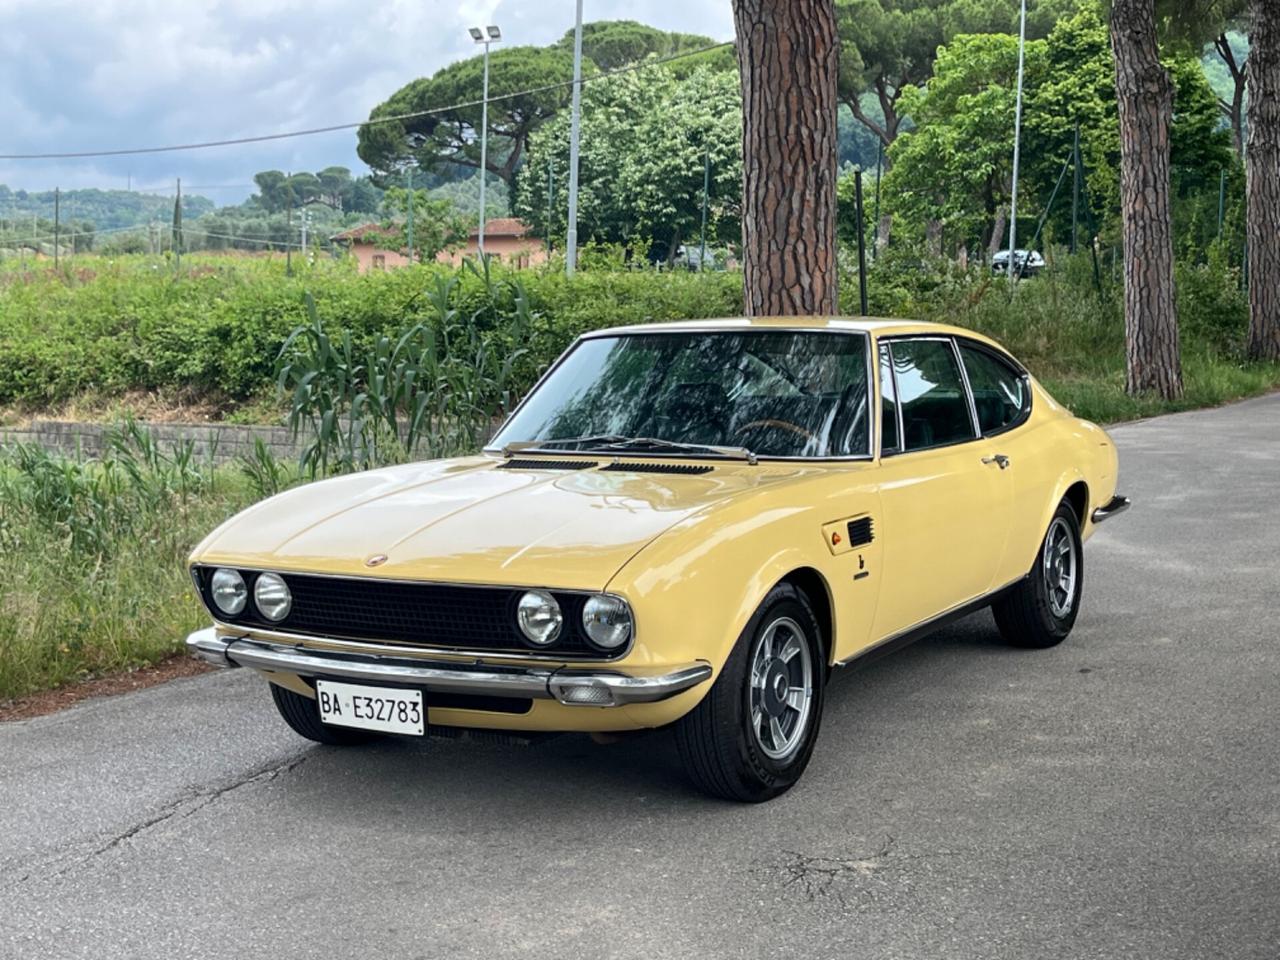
(434, 390)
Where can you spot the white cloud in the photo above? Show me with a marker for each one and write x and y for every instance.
(106, 74)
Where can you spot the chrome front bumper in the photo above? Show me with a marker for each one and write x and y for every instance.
(579, 688)
(1115, 505)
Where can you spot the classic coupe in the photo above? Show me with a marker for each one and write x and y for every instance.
(682, 525)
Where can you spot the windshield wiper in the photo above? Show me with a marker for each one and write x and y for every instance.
(523, 446)
(611, 441)
(653, 443)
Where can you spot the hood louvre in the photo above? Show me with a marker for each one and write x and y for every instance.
(687, 469)
(526, 463)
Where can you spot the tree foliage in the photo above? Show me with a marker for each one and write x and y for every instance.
(452, 136)
(437, 226)
(611, 44)
(333, 187)
(956, 164)
(645, 138)
(890, 45)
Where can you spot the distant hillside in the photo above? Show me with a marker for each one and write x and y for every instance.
(106, 209)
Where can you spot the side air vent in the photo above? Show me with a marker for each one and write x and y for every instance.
(688, 469)
(525, 463)
(860, 532)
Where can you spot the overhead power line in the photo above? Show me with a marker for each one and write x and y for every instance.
(397, 118)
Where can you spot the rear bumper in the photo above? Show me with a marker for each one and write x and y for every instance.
(572, 687)
(1115, 505)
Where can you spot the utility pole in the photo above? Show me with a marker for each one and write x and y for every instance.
(57, 224)
(288, 230)
(1222, 199)
(551, 191)
(862, 240)
(177, 228)
(875, 246)
(490, 34)
(1075, 190)
(571, 248)
(1011, 270)
(706, 188)
(306, 217)
(412, 204)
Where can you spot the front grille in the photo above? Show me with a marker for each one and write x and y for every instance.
(446, 616)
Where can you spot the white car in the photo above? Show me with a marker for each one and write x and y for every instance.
(1029, 262)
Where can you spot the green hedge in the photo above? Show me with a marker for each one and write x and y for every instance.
(110, 326)
(218, 327)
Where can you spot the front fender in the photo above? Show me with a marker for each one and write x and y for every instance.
(695, 588)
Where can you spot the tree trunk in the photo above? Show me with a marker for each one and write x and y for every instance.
(787, 56)
(883, 229)
(1144, 93)
(1263, 165)
(1233, 108)
(933, 237)
(995, 243)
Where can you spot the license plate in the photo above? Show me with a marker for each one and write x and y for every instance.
(385, 709)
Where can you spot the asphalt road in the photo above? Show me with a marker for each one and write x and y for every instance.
(1118, 796)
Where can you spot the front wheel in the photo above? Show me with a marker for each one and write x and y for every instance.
(303, 715)
(1041, 610)
(751, 736)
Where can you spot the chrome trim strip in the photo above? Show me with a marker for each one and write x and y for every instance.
(976, 604)
(1115, 505)
(208, 646)
(968, 389)
(569, 687)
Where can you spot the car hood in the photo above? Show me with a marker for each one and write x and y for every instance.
(474, 521)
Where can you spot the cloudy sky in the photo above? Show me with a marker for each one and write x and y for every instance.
(78, 75)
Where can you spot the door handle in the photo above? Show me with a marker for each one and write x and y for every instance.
(999, 459)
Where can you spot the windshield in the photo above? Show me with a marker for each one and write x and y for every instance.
(776, 393)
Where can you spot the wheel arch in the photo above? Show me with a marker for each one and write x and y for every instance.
(1078, 496)
(814, 586)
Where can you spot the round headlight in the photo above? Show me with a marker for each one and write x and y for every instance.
(539, 616)
(272, 596)
(607, 621)
(228, 591)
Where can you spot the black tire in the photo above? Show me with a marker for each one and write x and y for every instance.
(1032, 613)
(302, 714)
(717, 740)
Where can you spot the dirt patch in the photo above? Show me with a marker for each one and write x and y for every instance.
(51, 701)
(178, 406)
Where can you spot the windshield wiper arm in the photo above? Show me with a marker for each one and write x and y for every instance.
(521, 446)
(653, 443)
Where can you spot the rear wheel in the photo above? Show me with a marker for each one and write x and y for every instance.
(1041, 610)
(303, 715)
(751, 736)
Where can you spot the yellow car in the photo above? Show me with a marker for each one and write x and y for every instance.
(682, 524)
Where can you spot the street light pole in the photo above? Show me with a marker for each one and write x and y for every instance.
(1011, 270)
(571, 247)
(491, 34)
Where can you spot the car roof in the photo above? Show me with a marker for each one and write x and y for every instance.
(880, 326)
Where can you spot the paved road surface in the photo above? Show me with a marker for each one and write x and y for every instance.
(1116, 797)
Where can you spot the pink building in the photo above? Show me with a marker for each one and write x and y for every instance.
(374, 246)
(506, 239)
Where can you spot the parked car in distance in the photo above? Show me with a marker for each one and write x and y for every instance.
(684, 524)
(1029, 263)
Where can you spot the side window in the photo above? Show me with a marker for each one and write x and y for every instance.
(1000, 393)
(888, 405)
(935, 408)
